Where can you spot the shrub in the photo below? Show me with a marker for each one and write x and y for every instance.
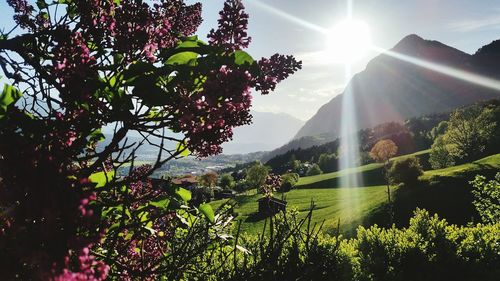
(428, 249)
(471, 133)
(256, 175)
(227, 181)
(440, 156)
(328, 162)
(288, 181)
(314, 170)
(487, 198)
(405, 171)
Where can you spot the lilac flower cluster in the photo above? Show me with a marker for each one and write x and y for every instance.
(274, 70)
(207, 118)
(88, 268)
(23, 12)
(273, 183)
(232, 30)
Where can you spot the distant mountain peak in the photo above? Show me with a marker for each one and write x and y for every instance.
(409, 42)
(415, 45)
(412, 38)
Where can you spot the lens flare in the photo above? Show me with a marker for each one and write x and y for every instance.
(443, 69)
(348, 41)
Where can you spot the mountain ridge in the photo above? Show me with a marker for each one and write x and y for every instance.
(393, 90)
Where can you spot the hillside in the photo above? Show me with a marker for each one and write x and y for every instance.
(445, 191)
(393, 90)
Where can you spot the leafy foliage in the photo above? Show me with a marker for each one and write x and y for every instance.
(428, 249)
(288, 181)
(257, 175)
(314, 170)
(328, 162)
(209, 179)
(440, 156)
(405, 171)
(227, 181)
(471, 133)
(383, 150)
(487, 198)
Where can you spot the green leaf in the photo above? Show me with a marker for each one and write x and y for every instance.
(182, 148)
(155, 113)
(138, 68)
(96, 136)
(207, 211)
(9, 96)
(182, 58)
(242, 57)
(92, 46)
(190, 42)
(160, 203)
(41, 4)
(151, 94)
(184, 194)
(71, 9)
(101, 178)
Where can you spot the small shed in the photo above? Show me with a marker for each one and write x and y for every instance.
(271, 205)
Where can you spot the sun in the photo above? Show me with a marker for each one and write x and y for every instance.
(348, 41)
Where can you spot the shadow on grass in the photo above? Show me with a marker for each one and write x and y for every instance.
(448, 196)
(255, 217)
(369, 178)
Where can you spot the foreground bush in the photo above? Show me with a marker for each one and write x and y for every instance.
(487, 198)
(429, 249)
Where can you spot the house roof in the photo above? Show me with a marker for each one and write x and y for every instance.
(275, 200)
(187, 179)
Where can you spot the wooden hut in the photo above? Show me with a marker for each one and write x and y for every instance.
(271, 205)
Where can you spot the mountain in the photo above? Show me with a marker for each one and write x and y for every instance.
(268, 131)
(300, 143)
(390, 89)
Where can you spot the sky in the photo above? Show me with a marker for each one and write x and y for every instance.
(463, 24)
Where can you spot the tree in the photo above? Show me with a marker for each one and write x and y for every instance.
(314, 170)
(295, 165)
(209, 179)
(288, 181)
(257, 175)
(440, 156)
(382, 152)
(469, 132)
(73, 68)
(227, 181)
(328, 162)
(405, 171)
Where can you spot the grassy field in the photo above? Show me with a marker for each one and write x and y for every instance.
(349, 205)
(488, 163)
(445, 191)
(371, 174)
